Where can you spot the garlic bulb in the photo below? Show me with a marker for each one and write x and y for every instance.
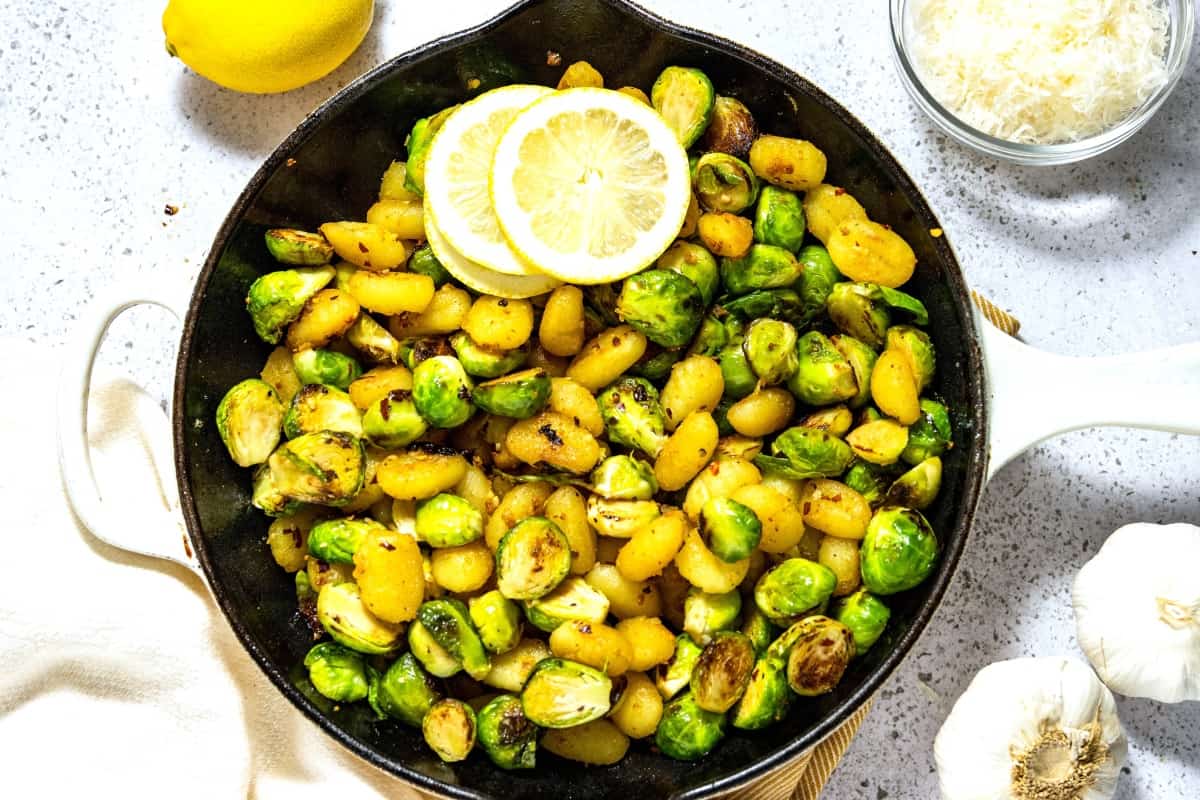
(1137, 611)
(1031, 729)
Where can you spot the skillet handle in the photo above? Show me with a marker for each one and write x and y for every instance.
(159, 531)
(1034, 395)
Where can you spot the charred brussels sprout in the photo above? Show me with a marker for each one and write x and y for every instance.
(930, 435)
(337, 672)
(483, 362)
(917, 348)
(671, 677)
(782, 304)
(918, 487)
(709, 340)
(624, 478)
(722, 671)
(404, 692)
(442, 392)
(899, 551)
(818, 280)
(438, 660)
(424, 262)
(620, 518)
(779, 219)
(662, 304)
(327, 468)
(704, 613)
(793, 587)
(248, 419)
(519, 395)
(335, 540)
(267, 497)
(317, 407)
(865, 615)
(696, 264)
(326, 366)
(684, 97)
(813, 453)
(341, 611)
(686, 731)
(824, 376)
(533, 558)
(853, 307)
(497, 619)
(506, 735)
(417, 349)
(724, 183)
(448, 621)
(277, 298)
(418, 142)
(760, 630)
(764, 267)
(736, 371)
(393, 421)
(655, 364)
(633, 416)
(869, 480)
(730, 529)
(373, 340)
(731, 129)
(862, 361)
(447, 520)
(766, 699)
(819, 656)
(770, 346)
(562, 694)
(298, 248)
(572, 600)
(449, 729)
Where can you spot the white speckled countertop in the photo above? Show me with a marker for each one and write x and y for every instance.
(102, 130)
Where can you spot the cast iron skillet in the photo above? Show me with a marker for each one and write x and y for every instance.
(329, 168)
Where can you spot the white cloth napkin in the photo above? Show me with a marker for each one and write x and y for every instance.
(119, 677)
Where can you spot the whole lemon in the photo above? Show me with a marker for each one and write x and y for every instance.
(265, 46)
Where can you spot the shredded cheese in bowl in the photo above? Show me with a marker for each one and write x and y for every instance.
(1040, 71)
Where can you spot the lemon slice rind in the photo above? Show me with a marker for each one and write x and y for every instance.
(480, 278)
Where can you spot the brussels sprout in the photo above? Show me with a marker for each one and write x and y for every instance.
(506, 734)
(573, 599)
(277, 298)
(438, 660)
(856, 309)
(563, 694)
(818, 280)
(782, 304)
(730, 529)
(895, 298)
(662, 304)
(442, 392)
(335, 540)
(766, 699)
(326, 366)
(449, 623)
(709, 340)
(317, 407)
(267, 497)
(760, 630)
(497, 620)
(793, 587)
(724, 183)
(824, 376)
(684, 97)
(633, 416)
(624, 478)
(770, 346)
(392, 421)
(918, 487)
(930, 435)
(737, 446)
(655, 364)
(305, 593)
(736, 371)
(721, 417)
(704, 614)
(862, 361)
(418, 142)
(779, 219)
(696, 264)
(248, 419)
(686, 731)
(601, 299)
(483, 362)
(917, 348)
(404, 692)
(722, 671)
(373, 340)
(869, 480)
(819, 656)
(672, 676)
(732, 128)
(327, 468)
(424, 262)
(341, 612)
(447, 520)
(519, 395)
(298, 248)
(337, 672)
(899, 551)
(533, 558)
(776, 467)
(449, 729)
(620, 518)
(764, 267)
(865, 615)
(813, 453)
(835, 420)
(510, 670)
(417, 349)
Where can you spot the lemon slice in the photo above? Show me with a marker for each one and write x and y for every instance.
(590, 185)
(456, 176)
(480, 278)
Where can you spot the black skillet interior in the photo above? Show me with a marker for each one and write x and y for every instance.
(330, 168)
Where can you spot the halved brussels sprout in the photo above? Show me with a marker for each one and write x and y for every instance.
(249, 417)
(738, 446)
(326, 366)
(662, 304)
(819, 656)
(865, 615)
(633, 415)
(518, 395)
(439, 661)
(729, 529)
(770, 346)
(818, 280)
(404, 692)
(373, 340)
(393, 421)
(335, 540)
(732, 128)
(447, 520)
(484, 362)
(862, 361)
(779, 219)
(738, 375)
(276, 299)
(835, 420)
(918, 487)
(684, 97)
(793, 587)
(782, 304)
(424, 262)
(506, 734)
(686, 731)
(856, 309)
(497, 620)
(572, 600)
(766, 699)
(533, 558)
(418, 143)
(759, 628)
(341, 611)
(449, 729)
(824, 376)
(709, 340)
(620, 518)
(267, 497)
(813, 453)
(722, 671)
(337, 672)
(624, 478)
(724, 183)
(562, 694)
(696, 264)
(705, 614)
(298, 248)
(326, 468)
(417, 349)
(442, 392)
(917, 348)
(655, 364)
(869, 480)
(764, 267)
(317, 407)
(899, 551)
(449, 623)
(930, 435)
(672, 676)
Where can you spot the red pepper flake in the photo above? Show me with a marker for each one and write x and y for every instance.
(170, 210)
(553, 59)
(291, 162)
(838, 191)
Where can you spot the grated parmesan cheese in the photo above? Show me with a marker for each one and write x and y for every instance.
(1040, 71)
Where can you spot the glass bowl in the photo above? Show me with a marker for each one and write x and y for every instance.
(1179, 35)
